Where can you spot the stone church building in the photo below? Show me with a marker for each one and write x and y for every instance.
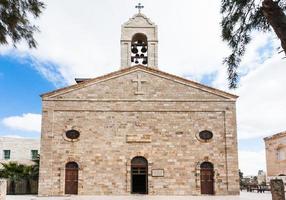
(138, 130)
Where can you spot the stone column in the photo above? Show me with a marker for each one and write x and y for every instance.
(3, 189)
(125, 54)
(153, 54)
(277, 189)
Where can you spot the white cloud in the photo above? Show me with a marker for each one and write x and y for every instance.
(13, 136)
(26, 122)
(82, 39)
(261, 107)
(251, 161)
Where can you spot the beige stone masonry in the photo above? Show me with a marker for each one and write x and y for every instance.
(116, 125)
(275, 147)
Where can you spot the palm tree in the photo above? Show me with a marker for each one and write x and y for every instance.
(32, 173)
(14, 172)
(35, 169)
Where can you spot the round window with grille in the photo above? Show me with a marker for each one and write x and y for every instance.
(205, 135)
(72, 134)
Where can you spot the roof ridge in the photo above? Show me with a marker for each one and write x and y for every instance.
(275, 135)
(126, 69)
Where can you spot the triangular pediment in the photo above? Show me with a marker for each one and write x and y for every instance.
(139, 82)
(139, 20)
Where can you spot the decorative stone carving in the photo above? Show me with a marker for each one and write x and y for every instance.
(139, 82)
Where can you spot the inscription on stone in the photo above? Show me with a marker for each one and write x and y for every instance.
(138, 138)
(158, 172)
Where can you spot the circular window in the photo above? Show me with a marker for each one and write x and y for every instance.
(206, 135)
(72, 134)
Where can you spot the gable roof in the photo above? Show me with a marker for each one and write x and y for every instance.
(87, 82)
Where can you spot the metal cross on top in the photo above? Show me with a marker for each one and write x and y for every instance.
(139, 7)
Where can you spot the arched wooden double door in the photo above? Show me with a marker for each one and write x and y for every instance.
(71, 178)
(139, 175)
(207, 178)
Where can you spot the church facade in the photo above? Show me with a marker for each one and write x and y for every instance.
(138, 130)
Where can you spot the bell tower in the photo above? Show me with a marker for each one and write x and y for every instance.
(139, 41)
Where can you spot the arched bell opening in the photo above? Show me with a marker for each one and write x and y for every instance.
(139, 49)
(139, 175)
(207, 178)
(71, 178)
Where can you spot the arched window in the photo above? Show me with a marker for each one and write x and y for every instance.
(139, 175)
(139, 161)
(71, 165)
(139, 49)
(206, 165)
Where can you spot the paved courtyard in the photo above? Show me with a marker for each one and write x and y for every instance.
(243, 196)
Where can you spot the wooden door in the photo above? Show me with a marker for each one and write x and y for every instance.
(207, 181)
(71, 178)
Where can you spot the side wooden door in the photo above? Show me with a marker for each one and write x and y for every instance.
(207, 181)
(71, 179)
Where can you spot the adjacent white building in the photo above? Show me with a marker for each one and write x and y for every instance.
(22, 150)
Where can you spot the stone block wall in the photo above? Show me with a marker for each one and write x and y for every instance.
(161, 125)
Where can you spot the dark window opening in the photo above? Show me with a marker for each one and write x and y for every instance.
(72, 134)
(34, 154)
(206, 135)
(7, 154)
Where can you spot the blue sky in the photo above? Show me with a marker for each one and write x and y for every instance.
(87, 44)
(20, 89)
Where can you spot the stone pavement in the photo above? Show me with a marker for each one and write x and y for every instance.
(243, 196)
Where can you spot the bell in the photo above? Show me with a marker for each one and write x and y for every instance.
(144, 49)
(142, 55)
(136, 61)
(134, 49)
(137, 55)
(144, 62)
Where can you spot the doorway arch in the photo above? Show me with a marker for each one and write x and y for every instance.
(139, 175)
(207, 178)
(71, 178)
